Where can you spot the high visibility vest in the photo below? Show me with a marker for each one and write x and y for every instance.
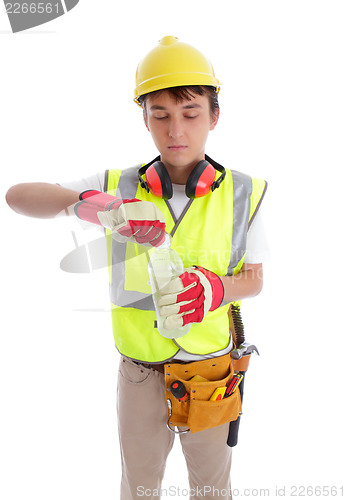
(211, 232)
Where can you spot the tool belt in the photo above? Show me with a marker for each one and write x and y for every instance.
(196, 412)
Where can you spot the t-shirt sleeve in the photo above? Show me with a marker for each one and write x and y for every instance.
(96, 182)
(257, 249)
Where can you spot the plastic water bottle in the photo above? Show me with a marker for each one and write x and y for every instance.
(164, 265)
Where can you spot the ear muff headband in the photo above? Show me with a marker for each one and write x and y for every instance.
(199, 183)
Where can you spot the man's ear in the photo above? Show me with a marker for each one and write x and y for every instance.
(214, 119)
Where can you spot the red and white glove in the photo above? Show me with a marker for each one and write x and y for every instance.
(188, 298)
(129, 220)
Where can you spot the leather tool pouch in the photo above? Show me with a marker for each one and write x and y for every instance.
(197, 412)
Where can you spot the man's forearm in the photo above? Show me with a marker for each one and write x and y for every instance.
(248, 283)
(39, 199)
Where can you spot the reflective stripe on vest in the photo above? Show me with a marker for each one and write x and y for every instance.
(126, 189)
(241, 206)
(212, 233)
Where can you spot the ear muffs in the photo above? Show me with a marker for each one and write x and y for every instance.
(157, 180)
(200, 180)
(199, 183)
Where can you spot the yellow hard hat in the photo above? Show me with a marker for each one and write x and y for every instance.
(173, 64)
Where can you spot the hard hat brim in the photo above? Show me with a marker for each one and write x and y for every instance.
(163, 82)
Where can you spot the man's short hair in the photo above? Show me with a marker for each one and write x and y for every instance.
(187, 93)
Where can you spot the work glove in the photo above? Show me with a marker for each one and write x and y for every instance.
(129, 220)
(189, 297)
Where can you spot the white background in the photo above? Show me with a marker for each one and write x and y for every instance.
(66, 112)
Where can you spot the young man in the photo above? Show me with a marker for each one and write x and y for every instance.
(213, 218)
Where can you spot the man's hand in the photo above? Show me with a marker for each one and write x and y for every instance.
(188, 298)
(129, 220)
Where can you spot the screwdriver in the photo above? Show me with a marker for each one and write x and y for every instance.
(178, 390)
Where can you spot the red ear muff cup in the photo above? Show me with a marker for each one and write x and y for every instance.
(158, 180)
(200, 180)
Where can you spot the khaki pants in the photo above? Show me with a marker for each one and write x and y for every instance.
(146, 442)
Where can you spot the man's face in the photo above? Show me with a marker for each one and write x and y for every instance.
(179, 131)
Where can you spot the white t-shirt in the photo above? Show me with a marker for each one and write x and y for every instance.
(257, 250)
